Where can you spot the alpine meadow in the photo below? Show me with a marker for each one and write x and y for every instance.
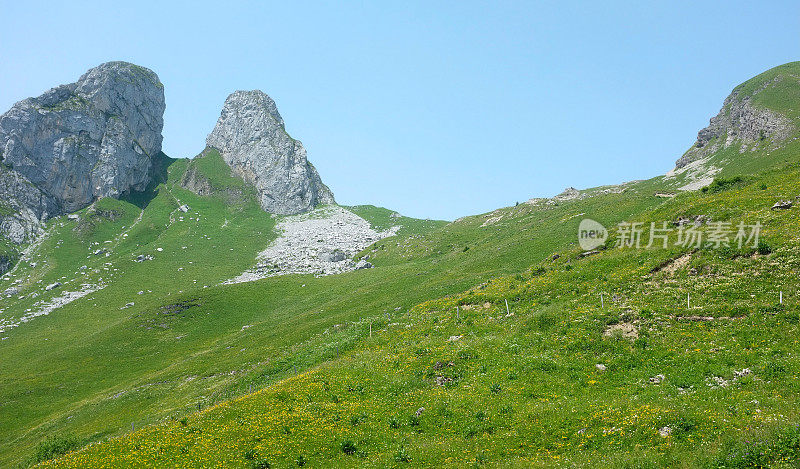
(224, 310)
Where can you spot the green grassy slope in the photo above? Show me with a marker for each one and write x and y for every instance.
(520, 385)
(486, 387)
(382, 219)
(92, 371)
(96, 366)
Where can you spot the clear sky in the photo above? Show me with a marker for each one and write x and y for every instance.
(435, 109)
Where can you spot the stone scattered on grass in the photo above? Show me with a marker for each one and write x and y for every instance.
(717, 382)
(782, 205)
(443, 380)
(625, 329)
(657, 379)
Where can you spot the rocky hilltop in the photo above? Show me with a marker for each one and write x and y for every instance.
(75, 143)
(251, 137)
(750, 116)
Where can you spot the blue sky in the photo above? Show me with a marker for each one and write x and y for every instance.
(435, 109)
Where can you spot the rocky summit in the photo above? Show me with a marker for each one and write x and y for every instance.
(251, 137)
(78, 142)
(746, 119)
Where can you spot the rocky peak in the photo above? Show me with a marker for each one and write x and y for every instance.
(745, 120)
(78, 142)
(251, 138)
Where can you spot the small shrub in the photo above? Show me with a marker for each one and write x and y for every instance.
(684, 426)
(393, 423)
(260, 464)
(55, 446)
(721, 184)
(773, 370)
(348, 447)
(356, 419)
(413, 421)
(402, 455)
(301, 461)
(764, 248)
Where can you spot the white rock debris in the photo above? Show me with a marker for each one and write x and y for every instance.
(698, 174)
(45, 307)
(320, 242)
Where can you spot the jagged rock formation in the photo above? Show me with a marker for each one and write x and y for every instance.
(75, 143)
(251, 138)
(24, 207)
(740, 121)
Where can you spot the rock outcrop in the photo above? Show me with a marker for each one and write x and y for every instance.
(78, 142)
(24, 207)
(251, 138)
(740, 121)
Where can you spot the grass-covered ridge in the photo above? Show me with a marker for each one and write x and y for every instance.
(777, 89)
(382, 219)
